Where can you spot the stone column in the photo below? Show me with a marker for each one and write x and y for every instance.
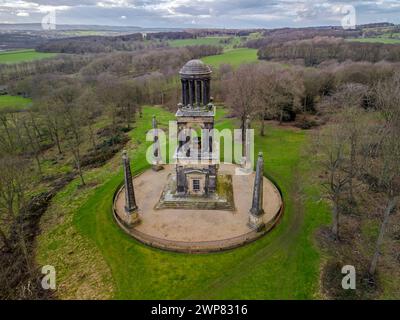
(257, 211)
(192, 91)
(206, 91)
(156, 147)
(131, 207)
(198, 92)
(211, 138)
(180, 181)
(187, 93)
(184, 89)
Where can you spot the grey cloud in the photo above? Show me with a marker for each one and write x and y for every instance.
(213, 13)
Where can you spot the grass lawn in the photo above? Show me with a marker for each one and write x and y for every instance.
(95, 259)
(23, 56)
(235, 57)
(14, 103)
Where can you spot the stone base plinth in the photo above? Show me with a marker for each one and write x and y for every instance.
(131, 219)
(221, 200)
(198, 230)
(157, 167)
(256, 222)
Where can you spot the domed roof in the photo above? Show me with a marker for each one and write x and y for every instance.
(195, 67)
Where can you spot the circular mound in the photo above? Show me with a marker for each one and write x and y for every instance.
(195, 67)
(196, 231)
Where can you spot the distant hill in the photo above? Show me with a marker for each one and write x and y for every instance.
(66, 27)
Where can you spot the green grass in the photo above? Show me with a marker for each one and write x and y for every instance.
(282, 265)
(14, 103)
(228, 42)
(235, 57)
(23, 56)
(215, 41)
(231, 55)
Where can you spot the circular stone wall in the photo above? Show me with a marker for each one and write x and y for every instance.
(183, 230)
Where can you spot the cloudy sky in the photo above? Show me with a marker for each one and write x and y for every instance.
(199, 13)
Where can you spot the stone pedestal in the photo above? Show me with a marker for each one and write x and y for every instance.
(256, 223)
(132, 219)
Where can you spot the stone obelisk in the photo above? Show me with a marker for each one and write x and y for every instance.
(257, 211)
(131, 208)
(156, 147)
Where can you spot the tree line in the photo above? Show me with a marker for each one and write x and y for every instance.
(356, 148)
(317, 50)
(82, 109)
(98, 44)
(283, 35)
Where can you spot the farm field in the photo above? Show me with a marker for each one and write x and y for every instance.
(228, 42)
(14, 103)
(23, 56)
(197, 42)
(235, 57)
(250, 272)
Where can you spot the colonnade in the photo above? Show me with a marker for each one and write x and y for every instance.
(195, 92)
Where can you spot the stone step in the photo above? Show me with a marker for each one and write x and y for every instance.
(195, 206)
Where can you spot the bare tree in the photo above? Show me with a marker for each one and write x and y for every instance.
(242, 94)
(67, 100)
(34, 142)
(90, 110)
(277, 88)
(13, 181)
(107, 92)
(384, 165)
(332, 152)
(349, 99)
(51, 112)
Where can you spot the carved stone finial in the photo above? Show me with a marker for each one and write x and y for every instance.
(257, 211)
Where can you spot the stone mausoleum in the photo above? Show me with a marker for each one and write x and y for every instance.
(196, 204)
(196, 171)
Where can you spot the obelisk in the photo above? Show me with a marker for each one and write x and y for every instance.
(131, 208)
(257, 211)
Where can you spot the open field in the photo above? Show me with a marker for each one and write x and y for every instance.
(23, 56)
(198, 41)
(228, 42)
(94, 258)
(235, 57)
(14, 103)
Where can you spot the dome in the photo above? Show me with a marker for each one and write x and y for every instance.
(195, 68)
